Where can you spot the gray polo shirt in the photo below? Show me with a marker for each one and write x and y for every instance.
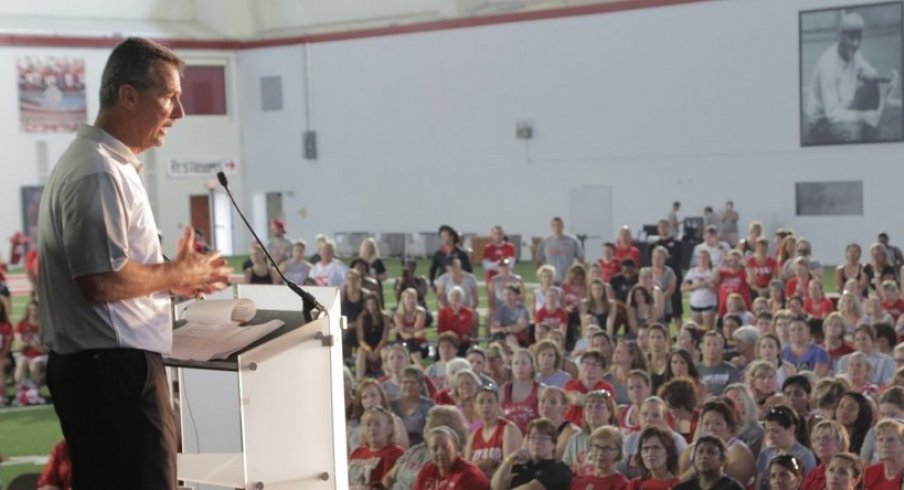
(560, 252)
(94, 217)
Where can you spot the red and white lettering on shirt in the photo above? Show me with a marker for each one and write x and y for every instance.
(609, 269)
(894, 309)
(489, 448)
(762, 273)
(521, 412)
(367, 467)
(495, 253)
(555, 319)
(463, 475)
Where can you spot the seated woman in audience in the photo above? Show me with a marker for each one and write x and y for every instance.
(458, 318)
(395, 358)
(886, 339)
(498, 437)
(410, 320)
(412, 405)
(599, 410)
(403, 475)
(498, 366)
(535, 465)
(851, 269)
(749, 429)
(680, 397)
(370, 462)
(835, 331)
(447, 468)
(503, 278)
(891, 300)
(574, 288)
(828, 438)
(700, 284)
(851, 310)
(719, 419)
(873, 313)
(781, 423)
(887, 473)
(549, 364)
(777, 300)
(762, 269)
(639, 389)
(552, 405)
(446, 349)
(373, 333)
(257, 268)
(797, 284)
(797, 389)
(457, 276)
(760, 377)
(369, 251)
(657, 354)
(817, 305)
(546, 277)
(769, 348)
(410, 279)
(520, 396)
(731, 278)
(551, 316)
(368, 394)
(368, 283)
(666, 278)
(745, 340)
(747, 245)
(855, 413)
(477, 357)
(858, 374)
(599, 306)
(570, 366)
(688, 339)
(785, 473)
(682, 365)
(784, 255)
(827, 392)
(627, 357)
(465, 385)
(606, 449)
(879, 268)
(891, 406)
(658, 461)
(646, 302)
(453, 366)
(296, 268)
(590, 378)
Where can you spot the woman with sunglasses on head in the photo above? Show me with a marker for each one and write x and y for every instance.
(785, 473)
(709, 464)
(658, 461)
(828, 438)
(497, 438)
(535, 465)
(599, 410)
(782, 434)
(887, 473)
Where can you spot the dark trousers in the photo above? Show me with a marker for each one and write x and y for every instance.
(116, 415)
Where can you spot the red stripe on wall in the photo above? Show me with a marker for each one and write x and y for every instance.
(460, 23)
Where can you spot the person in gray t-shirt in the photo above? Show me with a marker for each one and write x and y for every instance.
(559, 250)
(715, 373)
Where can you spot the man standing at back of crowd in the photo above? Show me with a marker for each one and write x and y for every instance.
(729, 220)
(717, 249)
(894, 253)
(670, 243)
(672, 219)
(559, 250)
(104, 288)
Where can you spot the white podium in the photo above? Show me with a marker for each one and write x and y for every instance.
(273, 416)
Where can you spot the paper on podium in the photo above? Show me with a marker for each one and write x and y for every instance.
(212, 330)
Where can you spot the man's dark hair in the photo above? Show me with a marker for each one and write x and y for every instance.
(133, 62)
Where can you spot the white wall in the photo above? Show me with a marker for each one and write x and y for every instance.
(697, 103)
(194, 136)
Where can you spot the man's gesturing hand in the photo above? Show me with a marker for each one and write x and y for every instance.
(198, 273)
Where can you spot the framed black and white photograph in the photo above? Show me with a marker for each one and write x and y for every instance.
(850, 67)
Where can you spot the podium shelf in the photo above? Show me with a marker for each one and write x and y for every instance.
(220, 469)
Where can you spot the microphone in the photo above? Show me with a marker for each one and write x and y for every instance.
(309, 302)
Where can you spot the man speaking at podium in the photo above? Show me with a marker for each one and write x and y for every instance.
(104, 287)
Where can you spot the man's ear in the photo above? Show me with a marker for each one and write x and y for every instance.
(128, 96)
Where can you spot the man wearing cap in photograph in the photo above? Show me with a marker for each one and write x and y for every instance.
(279, 247)
(845, 101)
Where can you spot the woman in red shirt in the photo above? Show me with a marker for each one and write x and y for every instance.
(457, 318)
(658, 461)
(447, 470)
(732, 278)
(887, 473)
(521, 395)
(497, 438)
(605, 450)
(761, 269)
(828, 438)
(369, 463)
